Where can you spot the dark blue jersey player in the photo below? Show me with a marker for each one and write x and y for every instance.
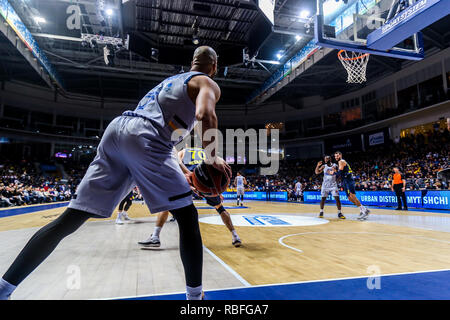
(348, 183)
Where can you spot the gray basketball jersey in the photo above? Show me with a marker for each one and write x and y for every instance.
(168, 107)
(329, 180)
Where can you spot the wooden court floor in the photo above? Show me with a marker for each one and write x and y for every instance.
(389, 242)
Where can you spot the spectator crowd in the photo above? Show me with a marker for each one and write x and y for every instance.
(419, 157)
(23, 184)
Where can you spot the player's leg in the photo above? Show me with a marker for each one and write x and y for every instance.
(335, 193)
(106, 182)
(191, 249)
(216, 202)
(349, 187)
(165, 188)
(153, 240)
(363, 211)
(324, 194)
(352, 197)
(40, 246)
(322, 205)
(120, 212)
(338, 205)
(128, 204)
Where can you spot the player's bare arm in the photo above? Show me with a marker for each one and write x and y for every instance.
(180, 162)
(207, 93)
(342, 164)
(319, 167)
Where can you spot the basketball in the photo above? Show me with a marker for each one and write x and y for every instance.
(208, 180)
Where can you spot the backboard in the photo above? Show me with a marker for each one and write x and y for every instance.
(382, 27)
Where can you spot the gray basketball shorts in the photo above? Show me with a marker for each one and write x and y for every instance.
(326, 191)
(240, 191)
(130, 154)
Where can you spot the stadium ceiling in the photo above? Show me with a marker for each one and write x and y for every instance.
(153, 39)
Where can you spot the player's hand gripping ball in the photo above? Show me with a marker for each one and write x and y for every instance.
(209, 181)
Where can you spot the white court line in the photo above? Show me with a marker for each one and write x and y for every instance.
(344, 232)
(234, 273)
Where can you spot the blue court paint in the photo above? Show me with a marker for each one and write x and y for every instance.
(414, 286)
(23, 210)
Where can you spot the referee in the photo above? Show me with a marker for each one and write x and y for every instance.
(399, 187)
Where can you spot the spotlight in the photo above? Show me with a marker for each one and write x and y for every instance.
(109, 12)
(195, 40)
(298, 38)
(304, 14)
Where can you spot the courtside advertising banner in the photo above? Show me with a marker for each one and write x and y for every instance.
(258, 195)
(426, 199)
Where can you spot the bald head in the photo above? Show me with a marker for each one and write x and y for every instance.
(205, 60)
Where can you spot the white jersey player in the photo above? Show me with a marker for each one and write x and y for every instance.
(298, 190)
(329, 184)
(240, 183)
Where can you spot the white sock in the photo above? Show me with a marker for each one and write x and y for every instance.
(156, 232)
(362, 208)
(194, 293)
(234, 234)
(321, 210)
(339, 211)
(6, 289)
(119, 215)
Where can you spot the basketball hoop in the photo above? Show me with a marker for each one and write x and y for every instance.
(355, 63)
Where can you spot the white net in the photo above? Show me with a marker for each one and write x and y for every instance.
(355, 63)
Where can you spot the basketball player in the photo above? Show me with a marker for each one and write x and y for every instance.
(124, 206)
(137, 149)
(329, 184)
(298, 190)
(346, 174)
(240, 182)
(189, 158)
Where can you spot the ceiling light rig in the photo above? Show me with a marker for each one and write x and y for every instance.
(195, 27)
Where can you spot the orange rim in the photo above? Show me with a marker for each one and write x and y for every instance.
(354, 58)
